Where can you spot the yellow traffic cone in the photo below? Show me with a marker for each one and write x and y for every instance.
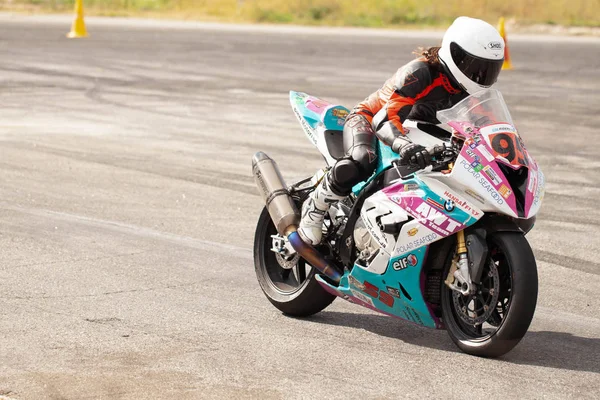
(507, 63)
(78, 28)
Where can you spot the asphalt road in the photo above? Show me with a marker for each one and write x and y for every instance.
(127, 213)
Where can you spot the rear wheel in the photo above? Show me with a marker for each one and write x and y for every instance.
(492, 321)
(288, 282)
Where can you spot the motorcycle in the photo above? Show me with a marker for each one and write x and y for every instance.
(443, 247)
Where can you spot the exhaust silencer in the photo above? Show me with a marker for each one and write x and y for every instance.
(274, 192)
(284, 213)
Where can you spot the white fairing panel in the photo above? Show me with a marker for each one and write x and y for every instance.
(418, 136)
(316, 117)
(538, 187)
(322, 145)
(375, 208)
(472, 184)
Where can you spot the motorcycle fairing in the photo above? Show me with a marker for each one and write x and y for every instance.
(393, 280)
(431, 209)
(438, 205)
(396, 293)
(437, 211)
(322, 123)
(479, 160)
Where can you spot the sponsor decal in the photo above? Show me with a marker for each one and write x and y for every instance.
(494, 178)
(422, 241)
(300, 98)
(532, 182)
(413, 232)
(503, 128)
(483, 182)
(415, 315)
(486, 154)
(467, 165)
(409, 187)
(471, 153)
(405, 262)
(434, 203)
(476, 164)
(538, 191)
(495, 45)
(307, 129)
(393, 291)
(354, 282)
(491, 190)
(362, 297)
(449, 205)
(475, 196)
(454, 200)
(340, 113)
(437, 220)
(505, 191)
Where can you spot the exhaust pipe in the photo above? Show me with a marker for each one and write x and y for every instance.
(284, 213)
(274, 192)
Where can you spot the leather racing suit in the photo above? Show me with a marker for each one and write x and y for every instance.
(416, 91)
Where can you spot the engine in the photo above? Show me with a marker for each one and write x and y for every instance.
(364, 241)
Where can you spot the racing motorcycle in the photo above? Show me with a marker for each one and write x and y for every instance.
(443, 247)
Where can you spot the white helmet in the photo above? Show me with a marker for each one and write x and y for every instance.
(472, 52)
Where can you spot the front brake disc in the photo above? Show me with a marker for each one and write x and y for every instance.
(476, 309)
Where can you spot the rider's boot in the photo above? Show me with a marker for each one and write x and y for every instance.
(313, 212)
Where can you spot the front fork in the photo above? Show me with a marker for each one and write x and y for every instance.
(459, 277)
(467, 267)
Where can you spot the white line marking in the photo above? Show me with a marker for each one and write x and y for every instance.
(134, 230)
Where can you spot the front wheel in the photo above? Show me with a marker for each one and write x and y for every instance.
(492, 321)
(289, 284)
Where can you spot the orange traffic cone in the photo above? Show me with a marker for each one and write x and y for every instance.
(507, 63)
(78, 28)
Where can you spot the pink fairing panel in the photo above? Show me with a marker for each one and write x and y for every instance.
(487, 147)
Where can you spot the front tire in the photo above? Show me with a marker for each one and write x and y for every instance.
(294, 291)
(514, 268)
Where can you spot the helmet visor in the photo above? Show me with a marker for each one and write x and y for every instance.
(480, 70)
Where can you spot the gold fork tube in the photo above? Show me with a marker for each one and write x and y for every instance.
(461, 248)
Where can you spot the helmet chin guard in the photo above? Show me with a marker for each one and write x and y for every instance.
(472, 52)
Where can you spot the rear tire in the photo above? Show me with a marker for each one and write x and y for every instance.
(296, 292)
(502, 331)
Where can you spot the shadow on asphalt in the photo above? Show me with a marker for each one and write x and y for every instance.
(544, 348)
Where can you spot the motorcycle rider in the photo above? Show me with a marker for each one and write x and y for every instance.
(469, 59)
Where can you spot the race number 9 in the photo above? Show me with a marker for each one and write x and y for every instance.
(508, 146)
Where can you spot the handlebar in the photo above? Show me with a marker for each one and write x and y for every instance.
(440, 155)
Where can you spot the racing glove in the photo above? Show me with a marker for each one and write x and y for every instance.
(411, 153)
